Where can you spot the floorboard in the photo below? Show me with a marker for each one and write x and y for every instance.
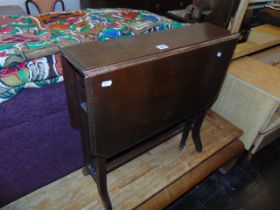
(251, 185)
(151, 181)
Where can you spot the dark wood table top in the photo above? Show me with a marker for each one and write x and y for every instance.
(108, 53)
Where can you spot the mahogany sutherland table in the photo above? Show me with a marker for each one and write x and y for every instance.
(130, 94)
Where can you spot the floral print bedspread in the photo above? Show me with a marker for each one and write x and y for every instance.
(29, 47)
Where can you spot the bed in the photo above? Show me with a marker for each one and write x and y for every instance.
(37, 143)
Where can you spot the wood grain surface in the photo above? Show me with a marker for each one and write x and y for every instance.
(250, 97)
(261, 37)
(245, 106)
(264, 77)
(128, 51)
(154, 179)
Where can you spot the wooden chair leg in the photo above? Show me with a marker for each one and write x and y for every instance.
(198, 120)
(101, 181)
(250, 156)
(186, 131)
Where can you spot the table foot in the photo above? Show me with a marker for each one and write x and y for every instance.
(99, 174)
(193, 124)
(198, 120)
(186, 131)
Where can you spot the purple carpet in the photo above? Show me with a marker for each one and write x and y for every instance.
(37, 143)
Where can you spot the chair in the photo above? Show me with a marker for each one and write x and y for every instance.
(44, 6)
(222, 11)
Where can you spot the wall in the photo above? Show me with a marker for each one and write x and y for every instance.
(69, 4)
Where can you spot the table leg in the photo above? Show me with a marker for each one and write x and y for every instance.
(85, 141)
(101, 181)
(196, 130)
(186, 131)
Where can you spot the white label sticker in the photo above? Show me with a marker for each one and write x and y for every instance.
(219, 54)
(162, 46)
(106, 83)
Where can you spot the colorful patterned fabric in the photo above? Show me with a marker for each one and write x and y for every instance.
(34, 73)
(29, 44)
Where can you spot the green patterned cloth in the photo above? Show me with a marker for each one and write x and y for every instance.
(30, 44)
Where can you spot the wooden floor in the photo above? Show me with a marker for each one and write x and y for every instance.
(261, 37)
(250, 185)
(151, 181)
